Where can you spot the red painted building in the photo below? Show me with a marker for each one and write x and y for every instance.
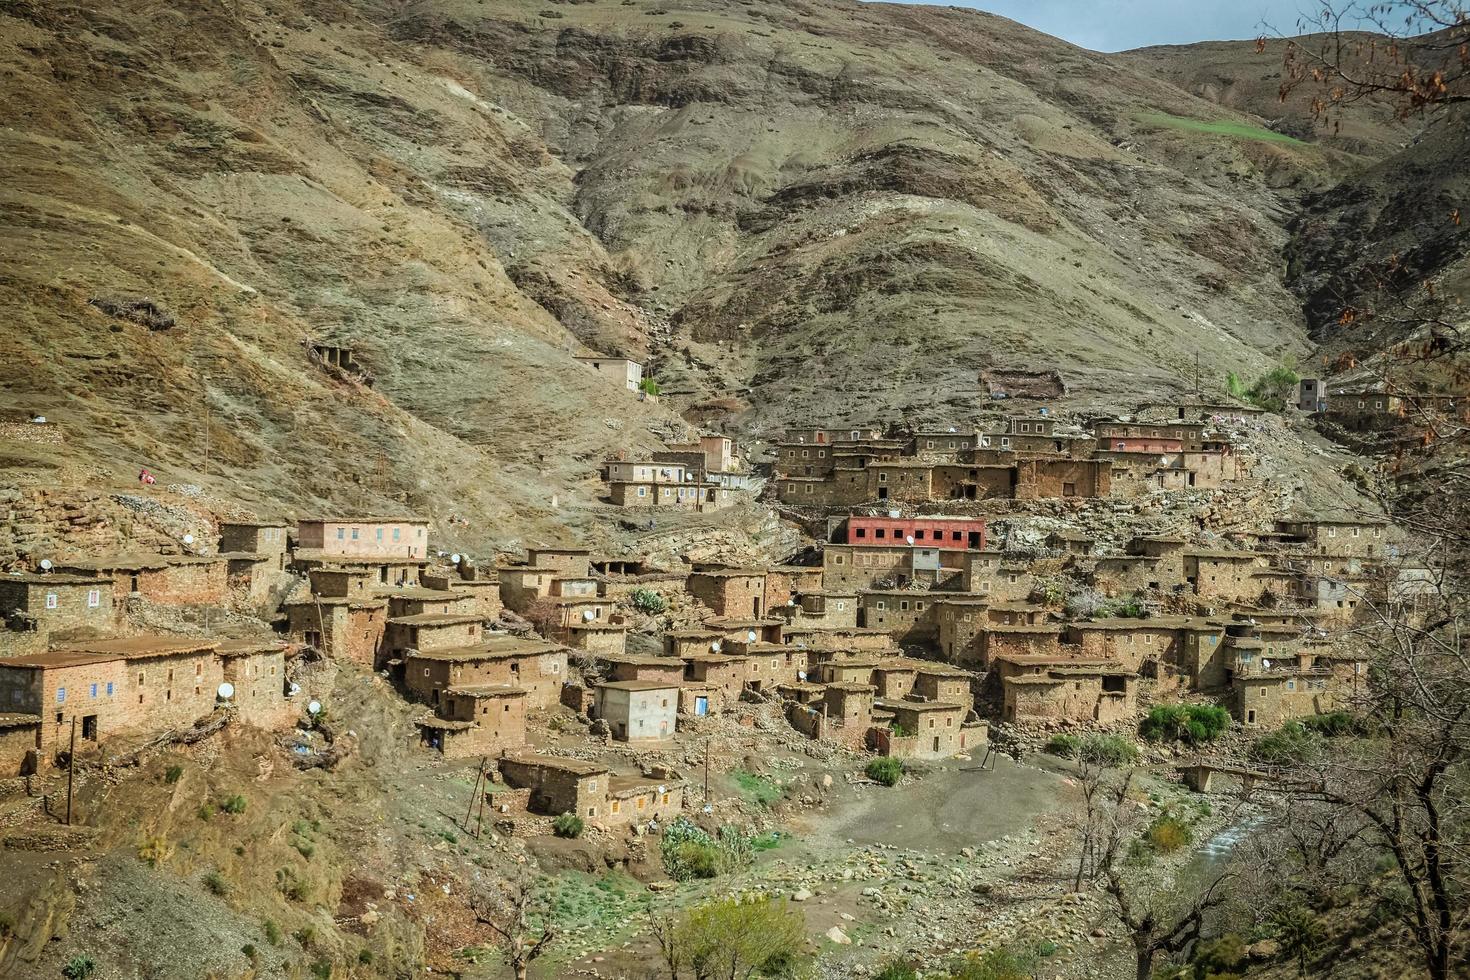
(944, 533)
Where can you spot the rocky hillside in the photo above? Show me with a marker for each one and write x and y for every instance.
(795, 209)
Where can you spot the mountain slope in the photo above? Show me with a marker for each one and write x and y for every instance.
(815, 210)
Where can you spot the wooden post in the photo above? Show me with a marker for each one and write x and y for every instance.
(475, 794)
(71, 768)
(706, 770)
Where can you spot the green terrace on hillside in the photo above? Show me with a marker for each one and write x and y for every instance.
(1222, 127)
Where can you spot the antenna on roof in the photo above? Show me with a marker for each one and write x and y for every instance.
(47, 564)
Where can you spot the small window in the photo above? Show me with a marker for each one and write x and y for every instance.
(109, 688)
(60, 695)
(93, 691)
(51, 600)
(341, 533)
(94, 598)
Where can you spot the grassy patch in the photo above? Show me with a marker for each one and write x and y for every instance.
(1219, 127)
(597, 909)
(757, 788)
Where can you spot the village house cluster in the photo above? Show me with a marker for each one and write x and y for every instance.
(904, 632)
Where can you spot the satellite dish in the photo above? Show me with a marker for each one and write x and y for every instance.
(716, 646)
(662, 788)
(588, 615)
(226, 691)
(454, 558)
(439, 553)
(315, 707)
(801, 675)
(750, 635)
(47, 564)
(910, 539)
(952, 428)
(188, 539)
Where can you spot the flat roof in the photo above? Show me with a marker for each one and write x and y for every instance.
(495, 648)
(16, 719)
(82, 652)
(112, 562)
(850, 687)
(247, 645)
(1222, 555)
(253, 524)
(420, 593)
(1159, 622)
(918, 706)
(1048, 659)
(637, 686)
(437, 619)
(578, 766)
(52, 578)
(641, 660)
(347, 562)
(363, 520)
(623, 786)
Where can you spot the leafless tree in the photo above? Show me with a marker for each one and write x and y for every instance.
(1158, 921)
(510, 909)
(1412, 54)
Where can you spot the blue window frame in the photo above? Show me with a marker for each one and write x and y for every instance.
(93, 692)
(109, 688)
(60, 694)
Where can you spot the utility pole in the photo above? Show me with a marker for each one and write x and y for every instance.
(474, 795)
(1197, 396)
(706, 770)
(71, 767)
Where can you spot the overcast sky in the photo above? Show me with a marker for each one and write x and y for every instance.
(1115, 25)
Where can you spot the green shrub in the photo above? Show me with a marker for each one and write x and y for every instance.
(1271, 391)
(648, 601)
(997, 964)
(79, 967)
(1108, 750)
(1190, 723)
(233, 804)
(648, 386)
(272, 932)
(7, 924)
(305, 935)
(897, 970)
(249, 951)
(1167, 834)
(205, 811)
(216, 883)
(1291, 744)
(885, 770)
(321, 970)
(568, 825)
(762, 790)
(690, 852)
(1336, 724)
(364, 956)
(305, 848)
(172, 774)
(1063, 745)
(293, 887)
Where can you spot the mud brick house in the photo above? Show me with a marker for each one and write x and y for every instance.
(997, 576)
(940, 442)
(555, 785)
(364, 537)
(431, 631)
(938, 682)
(1168, 550)
(855, 669)
(1140, 645)
(847, 712)
(919, 729)
(944, 533)
(596, 637)
(257, 671)
(36, 607)
(420, 601)
(1127, 574)
(688, 496)
(769, 665)
(695, 640)
(1067, 690)
(522, 586)
(737, 629)
(1221, 574)
(632, 667)
(827, 638)
(341, 627)
(962, 621)
(1040, 425)
(540, 668)
(1360, 538)
(169, 580)
(834, 436)
(1189, 435)
(785, 582)
(893, 677)
(637, 711)
(378, 571)
(20, 739)
(1041, 478)
(730, 591)
(825, 609)
(1201, 656)
(1071, 542)
(719, 454)
(138, 685)
(900, 480)
(862, 566)
(483, 588)
(623, 371)
(843, 487)
(912, 617)
(636, 800)
(268, 539)
(647, 472)
(723, 675)
(1016, 643)
(567, 561)
(476, 720)
(800, 459)
(1270, 697)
